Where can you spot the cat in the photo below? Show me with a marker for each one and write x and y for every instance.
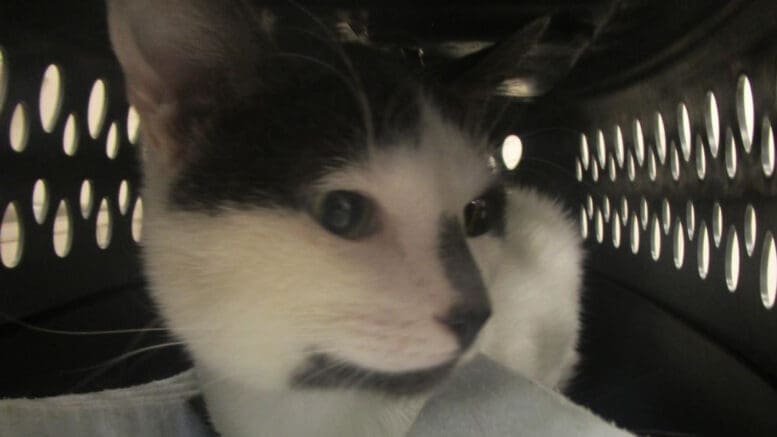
(323, 229)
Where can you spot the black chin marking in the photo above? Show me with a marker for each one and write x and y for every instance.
(324, 372)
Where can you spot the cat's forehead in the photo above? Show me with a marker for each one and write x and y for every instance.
(441, 164)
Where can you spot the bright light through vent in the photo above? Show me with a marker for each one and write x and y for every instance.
(767, 148)
(712, 122)
(97, 109)
(703, 251)
(639, 142)
(50, 99)
(20, 128)
(732, 259)
(684, 123)
(585, 155)
(745, 111)
(660, 135)
(512, 151)
(133, 125)
(70, 136)
(11, 237)
(768, 282)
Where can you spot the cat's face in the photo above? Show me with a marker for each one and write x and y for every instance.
(308, 226)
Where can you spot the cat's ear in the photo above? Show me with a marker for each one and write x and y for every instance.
(527, 63)
(179, 55)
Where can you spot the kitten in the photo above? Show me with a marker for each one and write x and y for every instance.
(322, 226)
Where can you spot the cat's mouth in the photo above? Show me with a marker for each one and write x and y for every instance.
(325, 372)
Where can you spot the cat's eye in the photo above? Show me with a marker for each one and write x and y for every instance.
(485, 213)
(346, 214)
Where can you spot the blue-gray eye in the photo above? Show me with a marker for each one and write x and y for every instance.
(346, 214)
(485, 213)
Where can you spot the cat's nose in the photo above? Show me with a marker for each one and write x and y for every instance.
(466, 322)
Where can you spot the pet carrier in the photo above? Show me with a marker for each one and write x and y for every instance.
(653, 120)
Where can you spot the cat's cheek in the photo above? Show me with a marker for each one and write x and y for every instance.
(418, 346)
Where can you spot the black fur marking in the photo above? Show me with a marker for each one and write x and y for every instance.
(324, 372)
(268, 148)
(474, 308)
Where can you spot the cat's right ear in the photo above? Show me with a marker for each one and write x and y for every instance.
(181, 56)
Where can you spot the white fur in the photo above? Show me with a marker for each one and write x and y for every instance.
(252, 292)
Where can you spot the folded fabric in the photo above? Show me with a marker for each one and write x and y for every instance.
(482, 399)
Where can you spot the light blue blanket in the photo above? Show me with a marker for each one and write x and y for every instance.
(483, 399)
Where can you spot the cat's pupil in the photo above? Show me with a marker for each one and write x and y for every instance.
(346, 214)
(484, 214)
(476, 217)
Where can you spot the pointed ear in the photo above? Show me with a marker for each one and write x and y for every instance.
(487, 71)
(180, 55)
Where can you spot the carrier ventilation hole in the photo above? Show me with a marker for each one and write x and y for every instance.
(731, 154)
(768, 281)
(594, 171)
(11, 236)
(133, 125)
(598, 226)
(732, 259)
(644, 213)
(585, 156)
(63, 230)
(20, 128)
(512, 151)
(620, 153)
(40, 201)
(678, 237)
(666, 216)
(634, 233)
(583, 222)
(578, 170)
(137, 220)
(717, 223)
(70, 136)
(624, 209)
(112, 142)
(674, 162)
(684, 124)
(86, 199)
(3, 78)
(751, 229)
(745, 111)
(601, 149)
(606, 210)
(690, 219)
(660, 134)
(767, 148)
(631, 167)
(703, 251)
(97, 108)
(124, 197)
(701, 160)
(589, 203)
(616, 230)
(611, 169)
(50, 98)
(651, 165)
(712, 122)
(104, 229)
(639, 142)
(655, 238)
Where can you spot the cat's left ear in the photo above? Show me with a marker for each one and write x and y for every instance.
(181, 57)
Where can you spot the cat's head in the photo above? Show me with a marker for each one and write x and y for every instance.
(315, 217)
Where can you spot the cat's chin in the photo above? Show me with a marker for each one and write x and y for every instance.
(322, 371)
